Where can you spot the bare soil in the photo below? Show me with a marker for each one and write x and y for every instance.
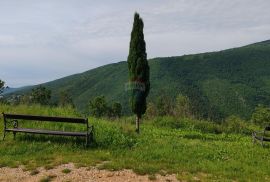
(77, 175)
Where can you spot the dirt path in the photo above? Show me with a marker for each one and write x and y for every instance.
(76, 175)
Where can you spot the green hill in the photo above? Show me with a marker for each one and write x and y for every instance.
(218, 84)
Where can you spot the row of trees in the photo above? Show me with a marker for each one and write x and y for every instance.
(41, 95)
(98, 107)
(182, 107)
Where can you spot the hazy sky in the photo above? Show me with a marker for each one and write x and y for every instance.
(44, 40)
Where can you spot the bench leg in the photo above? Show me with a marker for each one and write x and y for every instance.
(86, 142)
(14, 135)
(4, 135)
(91, 136)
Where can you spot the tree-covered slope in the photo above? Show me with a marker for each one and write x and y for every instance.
(218, 84)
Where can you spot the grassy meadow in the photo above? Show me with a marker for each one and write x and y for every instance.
(189, 148)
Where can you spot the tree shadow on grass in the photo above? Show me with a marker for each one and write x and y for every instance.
(79, 142)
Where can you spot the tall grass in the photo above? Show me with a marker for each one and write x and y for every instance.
(232, 124)
(39, 110)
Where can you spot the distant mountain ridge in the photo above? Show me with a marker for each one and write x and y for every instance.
(10, 90)
(219, 84)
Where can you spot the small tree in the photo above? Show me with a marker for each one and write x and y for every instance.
(164, 104)
(65, 99)
(41, 95)
(25, 99)
(182, 106)
(116, 109)
(261, 115)
(151, 110)
(235, 124)
(98, 106)
(138, 70)
(2, 83)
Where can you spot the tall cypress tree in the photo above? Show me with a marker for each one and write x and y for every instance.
(138, 70)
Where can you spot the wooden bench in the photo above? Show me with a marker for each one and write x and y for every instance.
(11, 124)
(261, 135)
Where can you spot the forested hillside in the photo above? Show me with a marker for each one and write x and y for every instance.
(219, 84)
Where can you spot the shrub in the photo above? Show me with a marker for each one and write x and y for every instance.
(41, 95)
(261, 116)
(65, 99)
(234, 124)
(182, 106)
(164, 105)
(99, 108)
(115, 110)
(2, 83)
(151, 110)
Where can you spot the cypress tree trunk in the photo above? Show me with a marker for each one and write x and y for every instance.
(138, 124)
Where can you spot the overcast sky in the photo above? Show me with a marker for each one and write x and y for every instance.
(44, 40)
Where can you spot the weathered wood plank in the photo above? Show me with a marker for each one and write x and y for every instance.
(45, 118)
(47, 132)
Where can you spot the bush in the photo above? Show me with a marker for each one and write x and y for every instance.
(164, 105)
(65, 99)
(182, 106)
(151, 110)
(234, 124)
(99, 108)
(41, 95)
(2, 83)
(261, 116)
(115, 110)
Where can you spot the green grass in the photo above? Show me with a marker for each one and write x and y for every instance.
(66, 171)
(189, 149)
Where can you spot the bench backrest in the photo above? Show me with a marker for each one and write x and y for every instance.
(45, 118)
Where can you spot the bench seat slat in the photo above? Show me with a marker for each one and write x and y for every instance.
(264, 138)
(47, 132)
